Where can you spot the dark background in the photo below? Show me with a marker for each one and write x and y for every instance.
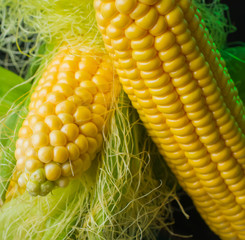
(195, 226)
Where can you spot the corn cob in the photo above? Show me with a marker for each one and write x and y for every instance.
(176, 79)
(63, 130)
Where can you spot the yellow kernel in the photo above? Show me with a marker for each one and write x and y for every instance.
(41, 127)
(160, 27)
(53, 122)
(82, 143)
(39, 140)
(69, 81)
(98, 109)
(89, 129)
(85, 96)
(174, 17)
(63, 88)
(121, 44)
(57, 138)
(25, 132)
(121, 21)
(33, 164)
(101, 83)
(175, 64)
(30, 152)
(92, 145)
(108, 9)
(88, 64)
(77, 167)
(18, 153)
(60, 154)
(164, 7)
(22, 180)
(139, 11)
(75, 99)
(66, 169)
(98, 121)
(19, 142)
(65, 75)
(148, 20)
(144, 55)
(143, 43)
(71, 131)
(164, 41)
(45, 154)
(68, 65)
(73, 150)
(100, 98)
(52, 171)
(33, 119)
(86, 162)
(55, 97)
(65, 118)
(134, 32)
(149, 2)
(170, 53)
(82, 75)
(44, 91)
(20, 164)
(46, 109)
(26, 144)
(65, 107)
(149, 65)
(82, 115)
(113, 32)
(90, 86)
(126, 6)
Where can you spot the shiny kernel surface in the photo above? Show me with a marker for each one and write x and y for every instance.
(61, 154)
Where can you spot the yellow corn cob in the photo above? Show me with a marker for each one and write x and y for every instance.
(63, 130)
(176, 79)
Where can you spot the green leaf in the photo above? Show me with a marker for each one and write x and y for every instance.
(13, 90)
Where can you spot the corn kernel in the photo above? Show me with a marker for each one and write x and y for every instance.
(89, 129)
(53, 122)
(33, 164)
(60, 154)
(41, 127)
(82, 143)
(66, 169)
(65, 118)
(73, 150)
(39, 140)
(82, 115)
(57, 138)
(65, 107)
(52, 171)
(45, 154)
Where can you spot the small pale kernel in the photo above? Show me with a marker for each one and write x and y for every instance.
(46, 109)
(65, 75)
(69, 81)
(33, 119)
(60, 154)
(65, 107)
(65, 118)
(82, 75)
(25, 132)
(126, 6)
(82, 115)
(66, 169)
(85, 96)
(22, 180)
(86, 162)
(53, 122)
(63, 88)
(33, 164)
(45, 154)
(52, 171)
(62, 182)
(82, 143)
(39, 140)
(19, 142)
(98, 121)
(26, 144)
(20, 164)
(41, 127)
(89, 86)
(92, 145)
(89, 129)
(30, 153)
(44, 91)
(18, 153)
(71, 131)
(68, 65)
(57, 138)
(73, 150)
(98, 109)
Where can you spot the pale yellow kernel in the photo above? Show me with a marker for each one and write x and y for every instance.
(19, 142)
(52, 171)
(65, 107)
(92, 145)
(66, 169)
(65, 118)
(135, 32)
(102, 84)
(98, 121)
(88, 64)
(33, 119)
(69, 81)
(25, 132)
(164, 41)
(20, 164)
(60, 154)
(39, 140)
(44, 91)
(41, 127)
(45, 154)
(86, 162)
(125, 6)
(114, 32)
(82, 142)
(68, 65)
(55, 97)
(85, 96)
(148, 20)
(62, 182)
(89, 86)
(82, 115)
(82, 75)
(108, 9)
(65, 75)
(57, 138)
(98, 109)
(71, 131)
(18, 153)
(63, 88)
(23, 179)
(73, 150)
(53, 122)
(33, 164)
(30, 152)
(89, 129)
(26, 144)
